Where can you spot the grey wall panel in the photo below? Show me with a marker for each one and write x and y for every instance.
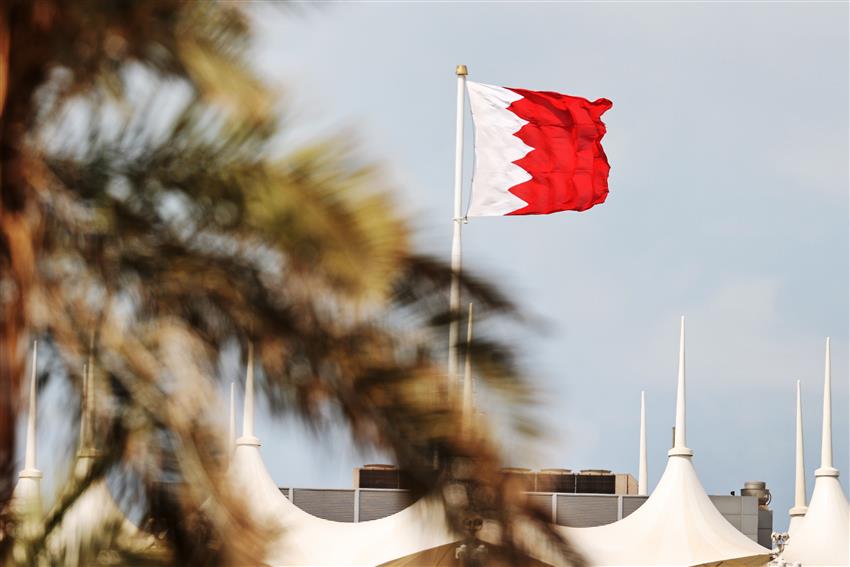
(632, 503)
(765, 519)
(542, 501)
(750, 527)
(749, 505)
(734, 519)
(765, 528)
(727, 504)
(376, 504)
(764, 538)
(585, 511)
(337, 505)
(580, 510)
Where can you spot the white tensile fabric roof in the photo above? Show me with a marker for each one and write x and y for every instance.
(95, 511)
(93, 515)
(822, 536)
(678, 525)
(307, 540)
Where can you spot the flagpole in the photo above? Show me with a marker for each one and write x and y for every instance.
(468, 407)
(454, 293)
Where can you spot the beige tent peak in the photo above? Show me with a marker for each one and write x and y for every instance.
(307, 540)
(678, 524)
(27, 501)
(823, 537)
(95, 511)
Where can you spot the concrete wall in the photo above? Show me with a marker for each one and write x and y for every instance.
(579, 510)
(741, 512)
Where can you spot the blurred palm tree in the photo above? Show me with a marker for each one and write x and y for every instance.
(147, 221)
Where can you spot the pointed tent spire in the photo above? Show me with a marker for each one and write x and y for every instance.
(822, 536)
(248, 437)
(826, 434)
(85, 415)
(800, 507)
(26, 501)
(680, 446)
(88, 410)
(248, 415)
(642, 468)
(30, 454)
(468, 403)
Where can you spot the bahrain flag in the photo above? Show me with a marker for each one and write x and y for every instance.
(536, 152)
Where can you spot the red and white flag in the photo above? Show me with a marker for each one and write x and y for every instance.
(536, 152)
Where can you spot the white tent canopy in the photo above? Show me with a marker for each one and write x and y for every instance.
(677, 525)
(823, 536)
(95, 512)
(90, 518)
(307, 540)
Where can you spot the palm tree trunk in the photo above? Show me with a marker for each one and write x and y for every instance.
(10, 310)
(16, 248)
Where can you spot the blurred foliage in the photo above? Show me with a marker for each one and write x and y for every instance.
(148, 221)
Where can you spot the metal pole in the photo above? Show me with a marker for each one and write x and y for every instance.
(454, 293)
(826, 432)
(248, 411)
(30, 454)
(468, 404)
(642, 468)
(679, 439)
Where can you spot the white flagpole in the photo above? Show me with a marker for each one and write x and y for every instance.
(454, 294)
(468, 402)
(643, 476)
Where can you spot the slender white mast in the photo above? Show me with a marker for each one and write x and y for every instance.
(800, 507)
(642, 468)
(680, 446)
(248, 411)
(26, 499)
(87, 411)
(457, 221)
(468, 404)
(248, 437)
(29, 455)
(826, 432)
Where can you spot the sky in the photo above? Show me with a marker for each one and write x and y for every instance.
(728, 144)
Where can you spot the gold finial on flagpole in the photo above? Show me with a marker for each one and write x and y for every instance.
(461, 70)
